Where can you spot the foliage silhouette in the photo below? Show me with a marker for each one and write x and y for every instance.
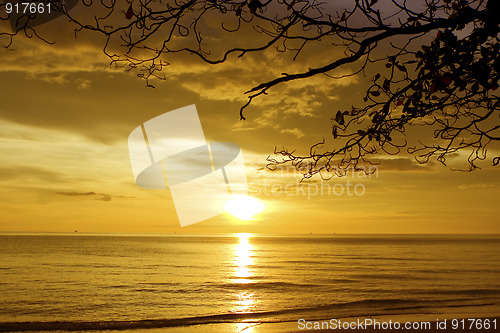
(439, 67)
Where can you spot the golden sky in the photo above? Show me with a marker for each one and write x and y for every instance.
(65, 116)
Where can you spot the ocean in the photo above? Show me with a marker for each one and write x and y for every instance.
(102, 282)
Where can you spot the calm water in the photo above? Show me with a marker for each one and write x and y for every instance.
(174, 280)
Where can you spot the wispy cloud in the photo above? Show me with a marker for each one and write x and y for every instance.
(293, 131)
(96, 196)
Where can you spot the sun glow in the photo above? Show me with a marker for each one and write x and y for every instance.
(244, 207)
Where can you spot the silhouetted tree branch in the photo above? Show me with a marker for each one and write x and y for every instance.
(439, 67)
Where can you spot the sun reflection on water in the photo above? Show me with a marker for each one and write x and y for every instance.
(243, 253)
(244, 327)
(243, 259)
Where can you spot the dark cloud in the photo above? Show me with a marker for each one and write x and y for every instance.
(110, 107)
(27, 173)
(96, 196)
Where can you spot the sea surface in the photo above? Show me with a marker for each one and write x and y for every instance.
(99, 282)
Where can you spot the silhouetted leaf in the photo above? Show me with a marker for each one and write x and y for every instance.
(334, 132)
(402, 68)
(446, 80)
(339, 118)
(386, 85)
(253, 5)
(130, 13)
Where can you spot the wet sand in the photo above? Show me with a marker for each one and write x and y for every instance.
(487, 313)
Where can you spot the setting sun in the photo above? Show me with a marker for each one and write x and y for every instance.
(244, 207)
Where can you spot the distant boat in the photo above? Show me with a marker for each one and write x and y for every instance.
(76, 230)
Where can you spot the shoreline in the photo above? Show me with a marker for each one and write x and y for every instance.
(451, 316)
(452, 319)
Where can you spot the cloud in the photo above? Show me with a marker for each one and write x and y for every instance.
(83, 84)
(477, 186)
(401, 164)
(24, 174)
(86, 95)
(96, 196)
(35, 57)
(293, 131)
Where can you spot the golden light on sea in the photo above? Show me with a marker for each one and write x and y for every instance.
(243, 259)
(243, 272)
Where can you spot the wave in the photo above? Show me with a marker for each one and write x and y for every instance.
(360, 308)
(264, 285)
(472, 292)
